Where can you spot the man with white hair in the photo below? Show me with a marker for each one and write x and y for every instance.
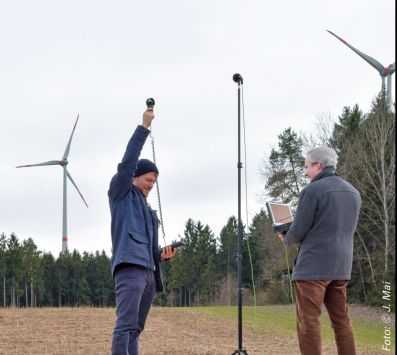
(325, 221)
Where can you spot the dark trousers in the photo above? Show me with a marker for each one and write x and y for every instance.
(135, 289)
(310, 296)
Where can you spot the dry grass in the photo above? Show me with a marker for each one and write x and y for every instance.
(168, 331)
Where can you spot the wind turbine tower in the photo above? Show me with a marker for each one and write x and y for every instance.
(64, 162)
(384, 72)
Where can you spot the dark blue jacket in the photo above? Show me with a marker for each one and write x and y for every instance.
(134, 225)
(324, 225)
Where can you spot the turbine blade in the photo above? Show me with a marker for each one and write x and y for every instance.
(74, 184)
(51, 162)
(378, 66)
(65, 155)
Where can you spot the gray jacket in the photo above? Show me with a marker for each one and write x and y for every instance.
(324, 224)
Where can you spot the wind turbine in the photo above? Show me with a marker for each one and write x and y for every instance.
(64, 162)
(384, 72)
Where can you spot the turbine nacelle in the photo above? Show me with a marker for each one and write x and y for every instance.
(390, 69)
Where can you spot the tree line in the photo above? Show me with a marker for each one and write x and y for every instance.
(31, 278)
(203, 272)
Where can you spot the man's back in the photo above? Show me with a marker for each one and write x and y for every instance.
(324, 224)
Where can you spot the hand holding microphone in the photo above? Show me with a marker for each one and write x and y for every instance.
(148, 115)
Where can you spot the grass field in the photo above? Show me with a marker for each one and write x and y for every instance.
(369, 328)
(199, 330)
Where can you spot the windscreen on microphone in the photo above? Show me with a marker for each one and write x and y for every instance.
(237, 78)
(150, 102)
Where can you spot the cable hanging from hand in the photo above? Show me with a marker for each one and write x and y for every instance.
(150, 103)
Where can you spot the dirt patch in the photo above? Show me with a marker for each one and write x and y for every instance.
(169, 331)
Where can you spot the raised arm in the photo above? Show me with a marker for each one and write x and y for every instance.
(122, 181)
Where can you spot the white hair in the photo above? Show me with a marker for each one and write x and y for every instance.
(324, 155)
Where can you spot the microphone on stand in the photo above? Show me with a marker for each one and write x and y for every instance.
(238, 78)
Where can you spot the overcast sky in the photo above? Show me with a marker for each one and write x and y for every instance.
(102, 59)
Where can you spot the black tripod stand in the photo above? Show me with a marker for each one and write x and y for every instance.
(239, 80)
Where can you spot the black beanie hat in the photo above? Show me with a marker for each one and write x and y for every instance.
(145, 166)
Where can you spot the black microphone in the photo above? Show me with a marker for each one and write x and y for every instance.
(150, 102)
(237, 78)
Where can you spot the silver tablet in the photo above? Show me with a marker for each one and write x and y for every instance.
(281, 216)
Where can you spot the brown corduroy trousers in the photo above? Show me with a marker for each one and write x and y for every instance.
(310, 296)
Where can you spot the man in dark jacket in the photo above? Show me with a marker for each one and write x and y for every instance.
(136, 255)
(324, 225)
